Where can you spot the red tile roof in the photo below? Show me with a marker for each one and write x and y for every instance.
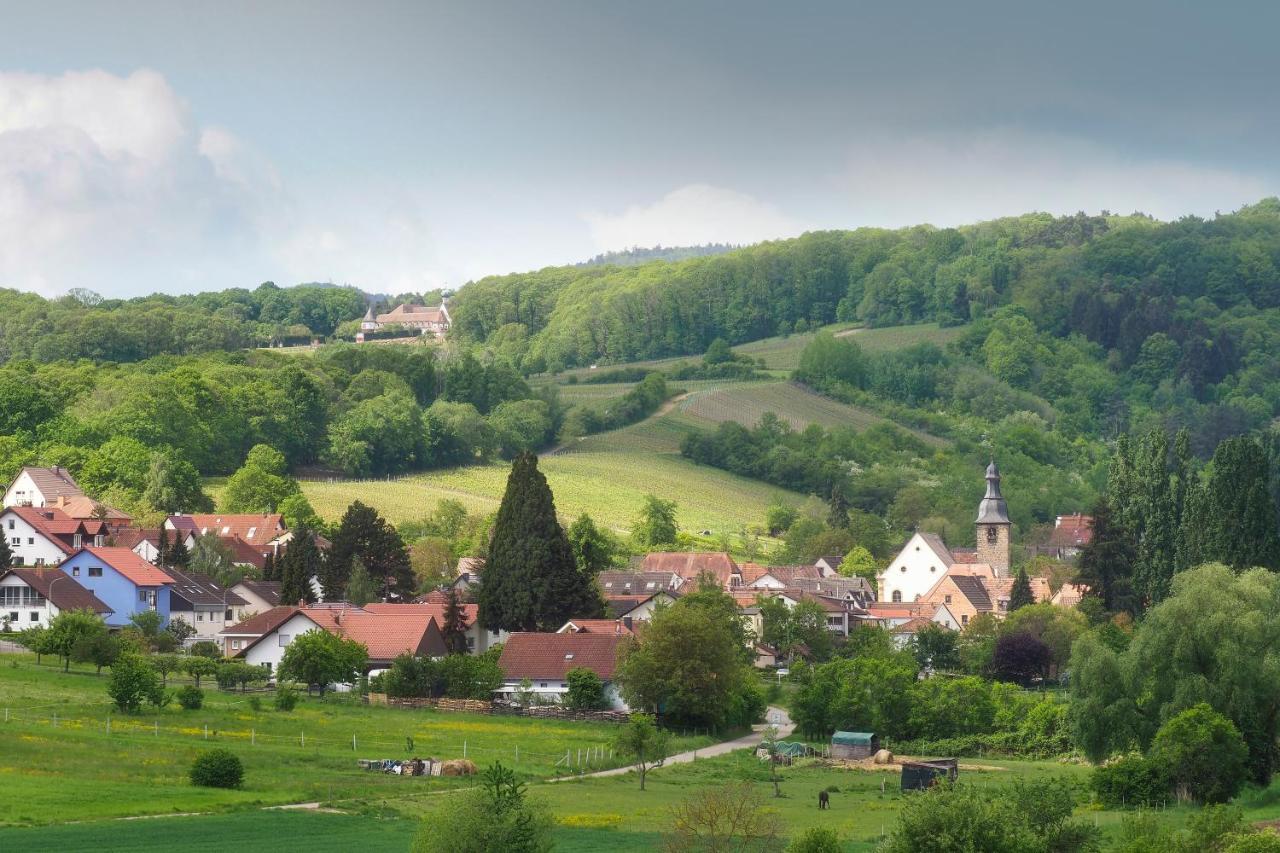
(691, 564)
(911, 626)
(262, 623)
(66, 594)
(386, 630)
(1072, 531)
(254, 529)
(53, 524)
(533, 656)
(84, 507)
(595, 626)
(137, 570)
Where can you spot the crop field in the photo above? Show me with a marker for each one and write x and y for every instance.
(58, 744)
(890, 338)
(746, 402)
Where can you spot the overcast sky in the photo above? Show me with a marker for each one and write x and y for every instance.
(400, 146)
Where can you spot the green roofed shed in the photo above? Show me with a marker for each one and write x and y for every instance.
(854, 744)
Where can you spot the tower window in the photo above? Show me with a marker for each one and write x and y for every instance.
(897, 595)
(992, 535)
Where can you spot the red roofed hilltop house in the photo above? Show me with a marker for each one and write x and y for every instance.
(424, 319)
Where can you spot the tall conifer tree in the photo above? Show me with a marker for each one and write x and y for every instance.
(366, 536)
(531, 581)
(178, 555)
(300, 562)
(1021, 595)
(1106, 563)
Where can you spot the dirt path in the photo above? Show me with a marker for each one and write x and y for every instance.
(847, 332)
(775, 716)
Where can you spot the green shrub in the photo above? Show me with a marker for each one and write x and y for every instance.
(206, 649)
(191, 697)
(255, 703)
(217, 768)
(133, 680)
(1202, 754)
(286, 699)
(816, 839)
(1130, 782)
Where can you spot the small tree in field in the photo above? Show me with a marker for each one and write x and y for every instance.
(1201, 752)
(319, 658)
(132, 682)
(816, 839)
(69, 628)
(198, 666)
(725, 817)
(643, 742)
(98, 649)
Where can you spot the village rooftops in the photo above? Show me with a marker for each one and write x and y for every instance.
(135, 569)
(691, 565)
(596, 626)
(268, 591)
(386, 631)
(201, 589)
(255, 529)
(66, 594)
(551, 656)
(53, 483)
(637, 583)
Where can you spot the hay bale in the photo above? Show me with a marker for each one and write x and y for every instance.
(884, 756)
(458, 767)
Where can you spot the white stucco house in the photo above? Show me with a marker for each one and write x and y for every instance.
(31, 598)
(544, 662)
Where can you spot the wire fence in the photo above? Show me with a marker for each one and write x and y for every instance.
(573, 759)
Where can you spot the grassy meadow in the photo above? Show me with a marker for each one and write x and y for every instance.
(58, 745)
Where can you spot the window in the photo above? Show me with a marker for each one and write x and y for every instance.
(35, 616)
(897, 595)
(13, 616)
(199, 615)
(31, 540)
(95, 571)
(11, 524)
(75, 540)
(235, 644)
(933, 568)
(142, 593)
(266, 665)
(75, 571)
(17, 540)
(992, 535)
(903, 569)
(542, 684)
(964, 619)
(226, 617)
(283, 640)
(946, 599)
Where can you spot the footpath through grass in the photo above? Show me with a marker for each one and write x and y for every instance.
(58, 746)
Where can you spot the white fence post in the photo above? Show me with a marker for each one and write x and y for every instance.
(353, 742)
(253, 737)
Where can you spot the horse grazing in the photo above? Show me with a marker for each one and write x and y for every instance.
(824, 800)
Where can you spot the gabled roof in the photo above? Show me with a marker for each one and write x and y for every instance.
(636, 583)
(786, 575)
(244, 554)
(595, 626)
(1070, 594)
(66, 594)
(406, 313)
(85, 507)
(911, 626)
(260, 624)
(253, 528)
(534, 656)
(268, 591)
(692, 564)
(1072, 531)
(201, 589)
(975, 590)
(53, 482)
(617, 606)
(939, 547)
(54, 524)
(432, 604)
(137, 570)
(132, 537)
(386, 630)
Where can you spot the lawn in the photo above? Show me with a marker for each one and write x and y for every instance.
(57, 745)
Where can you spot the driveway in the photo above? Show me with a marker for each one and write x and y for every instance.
(775, 716)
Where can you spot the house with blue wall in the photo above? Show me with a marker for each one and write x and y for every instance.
(122, 580)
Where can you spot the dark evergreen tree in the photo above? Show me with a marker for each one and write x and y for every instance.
(178, 555)
(455, 625)
(6, 556)
(300, 562)
(838, 508)
(1106, 563)
(1237, 517)
(1153, 519)
(270, 571)
(1021, 595)
(531, 581)
(162, 547)
(366, 536)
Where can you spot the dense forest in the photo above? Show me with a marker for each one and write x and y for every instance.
(637, 255)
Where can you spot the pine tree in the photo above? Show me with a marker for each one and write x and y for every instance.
(6, 556)
(178, 555)
(270, 570)
(360, 586)
(298, 564)
(531, 581)
(1106, 563)
(1021, 595)
(366, 536)
(162, 547)
(838, 508)
(1153, 518)
(455, 624)
(1238, 515)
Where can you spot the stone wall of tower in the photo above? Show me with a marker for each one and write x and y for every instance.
(994, 550)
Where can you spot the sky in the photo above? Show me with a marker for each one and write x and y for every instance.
(403, 146)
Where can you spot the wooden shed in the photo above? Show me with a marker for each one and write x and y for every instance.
(919, 775)
(854, 744)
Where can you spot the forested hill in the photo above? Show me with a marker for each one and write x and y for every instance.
(1115, 280)
(636, 255)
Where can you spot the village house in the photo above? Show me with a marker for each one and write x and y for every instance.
(258, 596)
(123, 581)
(40, 487)
(598, 626)
(544, 661)
(435, 603)
(202, 603)
(915, 570)
(1071, 533)
(638, 608)
(30, 598)
(265, 531)
(692, 565)
(45, 536)
(830, 566)
(143, 541)
(387, 631)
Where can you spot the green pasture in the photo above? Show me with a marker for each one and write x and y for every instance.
(58, 746)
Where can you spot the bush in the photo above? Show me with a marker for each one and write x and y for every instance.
(206, 649)
(191, 697)
(217, 768)
(133, 681)
(1202, 754)
(286, 699)
(586, 690)
(1130, 782)
(816, 839)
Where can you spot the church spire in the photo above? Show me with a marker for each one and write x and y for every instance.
(992, 509)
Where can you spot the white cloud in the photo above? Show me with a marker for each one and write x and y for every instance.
(691, 215)
(951, 179)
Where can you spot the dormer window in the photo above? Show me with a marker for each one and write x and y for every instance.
(252, 530)
(569, 656)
